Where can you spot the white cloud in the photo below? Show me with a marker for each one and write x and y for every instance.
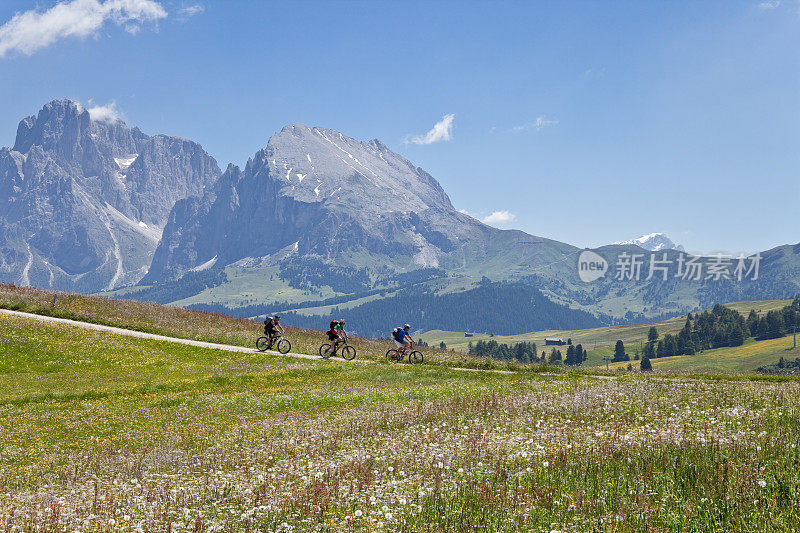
(441, 131)
(33, 30)
(769, 4)
(105, 113)
(499, 217)
(190, 11)
(538, 124)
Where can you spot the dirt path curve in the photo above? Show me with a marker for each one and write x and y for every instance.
(142, 335)
(190, 342)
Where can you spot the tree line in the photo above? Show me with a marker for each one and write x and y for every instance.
(527, 352)
(775, 324)
(718, 328)
(501, 308)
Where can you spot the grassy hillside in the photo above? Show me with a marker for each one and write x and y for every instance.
(600, 341)
(214, 327)
(744, 358)
(182, 323)
(109, 433)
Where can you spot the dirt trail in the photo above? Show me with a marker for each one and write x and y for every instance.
(143, 335)
(190, 342)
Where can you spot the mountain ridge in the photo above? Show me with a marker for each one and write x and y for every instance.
(83, 201)
(314, 217)
(339, 195)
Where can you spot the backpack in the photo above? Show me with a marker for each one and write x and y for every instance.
(333, 325)
(396, 332)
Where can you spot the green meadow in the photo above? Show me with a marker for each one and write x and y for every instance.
(103, 432)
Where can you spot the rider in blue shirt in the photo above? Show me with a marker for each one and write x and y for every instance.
(402, 337)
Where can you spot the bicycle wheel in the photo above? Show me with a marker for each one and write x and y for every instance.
(349, 353)
(325, 351)
(284, 346)
(415, 357)
(262, 344)
(392, 356)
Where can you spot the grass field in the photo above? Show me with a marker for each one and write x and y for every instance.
(109, 433)
(600, 341)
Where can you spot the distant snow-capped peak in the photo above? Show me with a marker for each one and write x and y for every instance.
(654, 242)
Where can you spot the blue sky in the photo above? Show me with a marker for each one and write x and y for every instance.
(588, 122)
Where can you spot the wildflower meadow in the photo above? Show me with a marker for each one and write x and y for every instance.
(109, 433)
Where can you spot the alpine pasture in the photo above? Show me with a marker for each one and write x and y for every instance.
(104, 432)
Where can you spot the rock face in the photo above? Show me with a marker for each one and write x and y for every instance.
(318, 194)
(83, 202)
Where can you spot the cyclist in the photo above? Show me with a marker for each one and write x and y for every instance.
(272, 327)
(336, 335)
(402, 338)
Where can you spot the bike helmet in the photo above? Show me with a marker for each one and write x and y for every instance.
(277, 317)
(269, 318)
(341, 321)
(406, 326)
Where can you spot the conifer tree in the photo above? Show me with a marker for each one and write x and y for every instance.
(570, 360)
(619, 352)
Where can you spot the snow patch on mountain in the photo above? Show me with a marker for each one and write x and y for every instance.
(205, 266)
(654, 242)
(125, 162)
(25, 279)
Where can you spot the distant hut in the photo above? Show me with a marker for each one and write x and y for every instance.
(554, 341)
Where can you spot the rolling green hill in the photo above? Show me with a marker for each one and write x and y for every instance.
(183, 323)
(745, 358)
(600, 341)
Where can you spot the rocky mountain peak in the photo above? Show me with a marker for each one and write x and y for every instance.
(67, 130)
(84, 197)
(321, 194)
(59, 123)
(654, 242)
(323, 165)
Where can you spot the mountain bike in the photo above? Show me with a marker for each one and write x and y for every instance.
(397, 355)
(281, 343)
(348, 353)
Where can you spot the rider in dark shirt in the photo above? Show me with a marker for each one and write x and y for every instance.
(272, 327)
